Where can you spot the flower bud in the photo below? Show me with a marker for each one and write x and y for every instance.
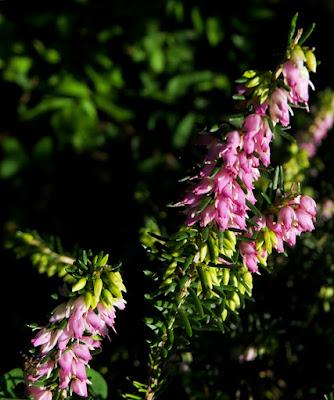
(80, 284)
(98, 284)
(248, 279)
(107, 297)
(236, 299)
(311, 61)
(297, 55)
(88, 299)
(226, 276)
(203, 252)
(253, 82)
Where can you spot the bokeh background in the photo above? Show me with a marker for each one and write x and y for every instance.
(101, 102)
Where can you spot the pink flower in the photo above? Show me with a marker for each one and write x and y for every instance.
(81, 351)
(79, 387)
(309, 205)
(286, 216)
(304, 220)
(298, 79)
(42, 337)
(39, 393)
(249, 255)
(279, 109)
(65, 361)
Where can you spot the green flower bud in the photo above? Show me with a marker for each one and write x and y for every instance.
(98, 285)
(94, 301)
(104, 260)
(236, 299)
(203, 252)
(249, 74)
(253, 82)
(297, 54)
(80, 284)
(51, 270)
(224, 314)
(107, 296)
(116, 292)
(88, 299)
(248, 278)
(226, 276)
(231, 304)
(241, 288)
(311, 61)
(267, 241)
(208, 278)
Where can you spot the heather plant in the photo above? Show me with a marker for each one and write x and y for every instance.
(239, 209)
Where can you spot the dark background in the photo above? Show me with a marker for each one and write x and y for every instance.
(100, 105)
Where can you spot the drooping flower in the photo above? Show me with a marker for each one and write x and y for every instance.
(74, 331)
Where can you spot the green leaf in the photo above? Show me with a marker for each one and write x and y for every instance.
(266, 197)
(197, 302)
(254, 209)
(275, 181)
(183, 130)
(238, 97)
(185, 321)
(10, 381)
(99, 387)
(284, 134)
(307, 34)
(292, 27)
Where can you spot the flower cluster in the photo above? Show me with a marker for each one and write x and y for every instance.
(224, 192)
(65, 347)
(323, 122)
(295, 216)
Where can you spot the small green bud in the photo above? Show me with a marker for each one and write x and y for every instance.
(94, 301)
(51, 270)
(267, 241)
(311, 61)
(231, 304)
(115, 291)
(249, 74)
(297, 54)
(208, 278)
(236, 299)
(226, 276)
(27, 237)
(229, 245)
(248, 278)
(80, 284)
(203, 252)
(224, 314)
(104, 260)
(107, 296)
(88, 299)
(62, 271)
(241, 288)
(253, 82)
(98, 285)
